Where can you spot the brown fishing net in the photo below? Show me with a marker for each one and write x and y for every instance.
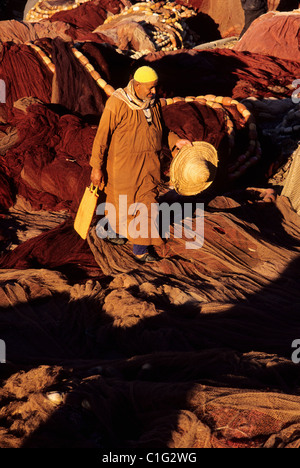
(195, 350)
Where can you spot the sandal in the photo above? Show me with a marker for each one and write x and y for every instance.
(116, 240)
(146, 258)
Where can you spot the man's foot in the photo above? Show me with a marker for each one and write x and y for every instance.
(116, 240)
(110, 236)
(147, 257)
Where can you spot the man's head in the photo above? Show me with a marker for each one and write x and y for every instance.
(145, 82)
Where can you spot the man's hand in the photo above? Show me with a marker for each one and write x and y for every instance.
(182, 142)
(179, 144)
(97, 177)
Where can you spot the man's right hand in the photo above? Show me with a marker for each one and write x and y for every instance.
(97, 177)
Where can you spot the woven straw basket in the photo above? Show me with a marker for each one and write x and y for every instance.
(194, 168)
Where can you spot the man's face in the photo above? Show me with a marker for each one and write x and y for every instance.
(145, 91)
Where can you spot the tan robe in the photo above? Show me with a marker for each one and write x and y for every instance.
(128, 148)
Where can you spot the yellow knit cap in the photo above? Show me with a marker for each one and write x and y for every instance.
(145, 75)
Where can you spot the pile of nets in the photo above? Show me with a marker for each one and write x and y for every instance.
(274, 34)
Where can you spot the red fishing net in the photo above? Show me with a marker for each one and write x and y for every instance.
(274, 34)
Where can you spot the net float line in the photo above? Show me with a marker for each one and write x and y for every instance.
(164, 23)
(38, 12)
(253, 153)
(44, 57)
(290, 122)
(107, 88)
(170, 11)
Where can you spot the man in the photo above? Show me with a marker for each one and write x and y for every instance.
(252, 10)
(125, 156)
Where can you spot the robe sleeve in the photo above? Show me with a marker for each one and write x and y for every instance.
(106, 127)
(172, 139)
(169, 138)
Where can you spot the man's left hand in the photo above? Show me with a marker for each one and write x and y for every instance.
(182, 142)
